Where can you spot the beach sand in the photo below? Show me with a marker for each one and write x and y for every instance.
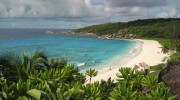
(150, 54)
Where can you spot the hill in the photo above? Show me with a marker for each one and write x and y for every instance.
(163, 30)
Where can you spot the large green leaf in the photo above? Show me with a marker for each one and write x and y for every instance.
(34, 93)
(23, 98)
(4, 95)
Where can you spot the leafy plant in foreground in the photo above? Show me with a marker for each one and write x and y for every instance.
(65, 82)
(123, 92)
(160, 92)
(125, 74)
(93, 91)
(91, 73)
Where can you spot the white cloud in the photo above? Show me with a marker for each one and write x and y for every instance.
(172, 12)
(82, 10)
(43, 8)
(72, 8)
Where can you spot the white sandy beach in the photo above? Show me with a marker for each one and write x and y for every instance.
(150, 54)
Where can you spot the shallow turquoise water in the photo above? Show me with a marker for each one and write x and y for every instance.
(84, 52)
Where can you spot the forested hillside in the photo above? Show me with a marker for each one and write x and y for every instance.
(159, 28)
(166, 31)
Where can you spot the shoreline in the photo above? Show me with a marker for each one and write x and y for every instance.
(150, 53)
(120, 59)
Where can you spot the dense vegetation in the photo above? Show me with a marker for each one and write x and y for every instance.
(166, 31)
(37, 77)
(159, 28)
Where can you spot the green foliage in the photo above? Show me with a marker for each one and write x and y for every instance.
(136, 85)
(174, 57)
(156, 69)
(5, 88)
(14, 67)
(160, 92)
(149, 81)
(123, 91)
(91, 73)
(35, 93)
(126, 74)
(60, 81)
(151, 28)
(56, 63)
(38, 61)
(11, 67)
(165, 31)
(107, 87)
(93, 91)
(68, 74)
(168, 44)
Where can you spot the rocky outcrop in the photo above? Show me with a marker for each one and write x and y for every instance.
(121, 34)
(49, 32)
(73, 33)
(170, 75)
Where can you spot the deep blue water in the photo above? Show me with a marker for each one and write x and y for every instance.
(77, 50)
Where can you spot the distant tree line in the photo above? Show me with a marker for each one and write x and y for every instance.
(147, 28)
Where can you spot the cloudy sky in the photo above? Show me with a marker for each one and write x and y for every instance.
(79, 13)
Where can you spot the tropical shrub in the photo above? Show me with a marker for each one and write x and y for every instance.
(56, 80)
(123, 91)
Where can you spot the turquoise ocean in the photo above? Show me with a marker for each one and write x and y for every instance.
(83, 52)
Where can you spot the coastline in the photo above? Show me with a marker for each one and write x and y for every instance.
(150, 53)
(120, 59)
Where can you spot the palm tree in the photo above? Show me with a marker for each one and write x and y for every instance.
(14, 68)
(91, 73)
(11, 67)
(39, 61)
